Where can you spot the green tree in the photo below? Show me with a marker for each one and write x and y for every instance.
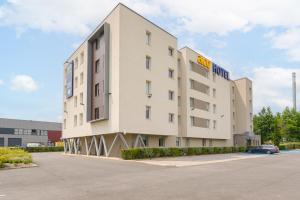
(276, 136)
(264, 124)
(291, 124)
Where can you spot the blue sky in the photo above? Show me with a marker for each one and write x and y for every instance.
(258, 40)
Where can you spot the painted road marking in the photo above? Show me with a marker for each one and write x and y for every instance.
(176, 163)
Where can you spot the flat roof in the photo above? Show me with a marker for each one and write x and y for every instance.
(30, 124)
(100, 24)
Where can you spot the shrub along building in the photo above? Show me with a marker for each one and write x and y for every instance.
(128, 86)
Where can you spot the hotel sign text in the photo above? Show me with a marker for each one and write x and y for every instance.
(201, 60)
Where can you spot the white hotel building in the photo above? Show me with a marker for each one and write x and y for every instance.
(128, 86)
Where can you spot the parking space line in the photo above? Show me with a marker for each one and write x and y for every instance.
(195, 163)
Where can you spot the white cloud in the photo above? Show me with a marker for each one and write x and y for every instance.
(1, 82)
(221, 17)
(289, 41)
(190, 16)
(273, 87)
(69, 16)
(196, 16)
(23, 83)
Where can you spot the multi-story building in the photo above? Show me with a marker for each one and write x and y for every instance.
(15, 132)
(127, 85)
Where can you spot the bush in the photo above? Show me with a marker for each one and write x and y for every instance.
(14, 156)
(289, 146)
(44, 149)
(142, 153)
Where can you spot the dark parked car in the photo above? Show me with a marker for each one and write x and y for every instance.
(269, 149)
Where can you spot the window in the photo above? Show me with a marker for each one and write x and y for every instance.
(250, 116)
(65, 106)
(192, 103)
(178, 142)
(214, 93)
(161, 142)
(233, 102)
(81, 57)
(233, 128)
(192, 82)
(148, 62)
(178, 66)
(250, 102)
(200, 122)
(171, 95)
(250, 90)
(171, 117)
(65, 123)
(179, 119)
(171, 73)
(97, 66)
(76, 82)
(75, 101)
(200, 87)
(179, 82)
(148, 112)
(75, 120)
(179, 101)
(148, 88)
(97, 44)
(204, 142)
(214, 77)
(233, 114)
(148, 37)
(65, 90)
(214, 124)
(198, 104)
(233, 90)
(81, 78)
(80, 119)
(76, 63)
(214, 108)
(81, 98)
(97, 92)
(171, 51)
(199, 69)
(96, 113)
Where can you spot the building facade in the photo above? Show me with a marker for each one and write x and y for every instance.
(14, 132)
(128, 85)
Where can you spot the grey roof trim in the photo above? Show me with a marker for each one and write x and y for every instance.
(30, 124)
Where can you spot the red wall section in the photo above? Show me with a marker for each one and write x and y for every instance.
(54, 136)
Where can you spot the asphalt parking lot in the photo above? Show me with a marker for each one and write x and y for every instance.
(76, 177)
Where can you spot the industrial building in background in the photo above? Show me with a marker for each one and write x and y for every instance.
(128, 86)
(14, 132)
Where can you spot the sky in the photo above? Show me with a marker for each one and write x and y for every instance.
(256, 39)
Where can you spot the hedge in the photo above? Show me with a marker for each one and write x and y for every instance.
(289, 146)
(142, 153)
(14, 156)
(43, 149)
